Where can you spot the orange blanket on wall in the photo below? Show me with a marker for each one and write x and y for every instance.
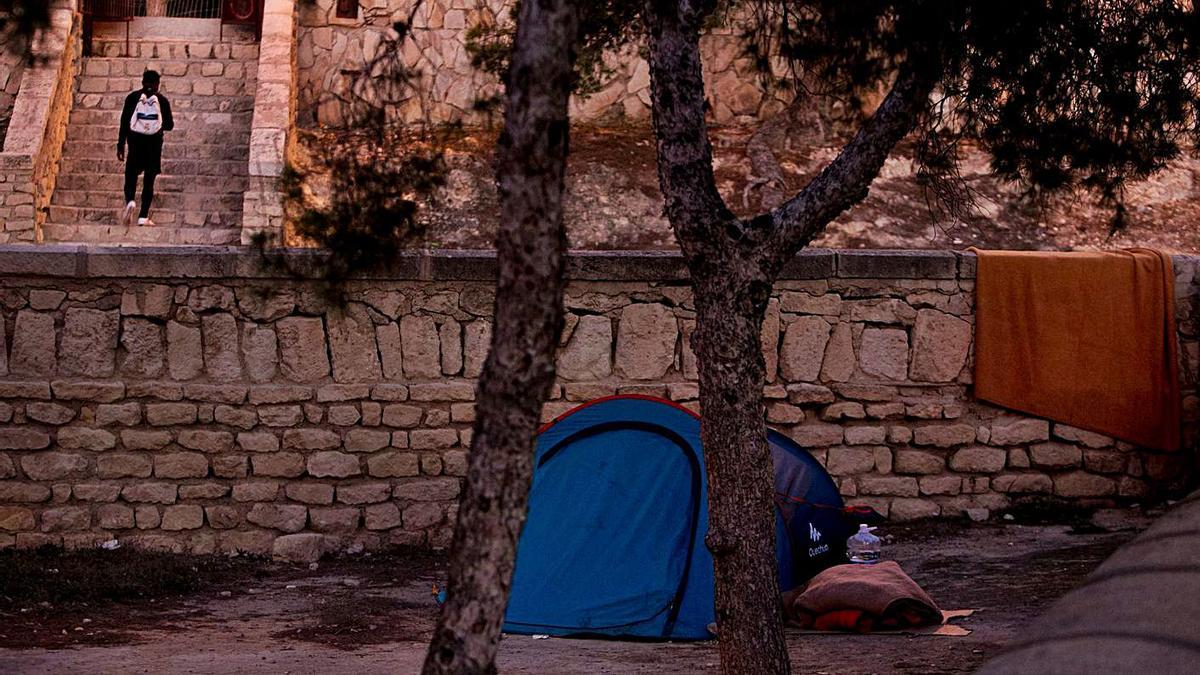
(1087, 339)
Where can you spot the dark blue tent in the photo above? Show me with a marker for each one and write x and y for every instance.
(614, 541)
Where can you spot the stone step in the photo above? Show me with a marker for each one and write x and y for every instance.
(91, 117)
(178, 50)
(116, 100)
(184, 133)
(169, 69)
(172, 88)
(210, 80)
(171, 150)
(94, 215)
(169, 201)
(181, 167)
(166, 183)
(137, 236)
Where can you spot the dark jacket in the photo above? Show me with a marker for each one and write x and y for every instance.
(131, 101)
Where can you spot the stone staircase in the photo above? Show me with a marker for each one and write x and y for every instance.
(210, 83)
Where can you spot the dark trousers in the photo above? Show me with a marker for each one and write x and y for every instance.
(145, 157)
(131, 177)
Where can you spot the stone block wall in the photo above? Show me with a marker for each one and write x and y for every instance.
(272, 134)
(330, 48)
(38, 127)
(191, 401)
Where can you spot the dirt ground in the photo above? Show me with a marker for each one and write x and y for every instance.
(373, 614)
(612, 200)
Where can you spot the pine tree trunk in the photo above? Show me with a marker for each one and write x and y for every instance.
(731, 282)
(519, 371)
(741, 482)
(733, 264)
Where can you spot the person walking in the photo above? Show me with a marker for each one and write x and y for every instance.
(146, 115)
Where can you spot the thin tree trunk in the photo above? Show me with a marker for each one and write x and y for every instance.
(519, 371)
(730, 303)
(733, 264)
(731, 286)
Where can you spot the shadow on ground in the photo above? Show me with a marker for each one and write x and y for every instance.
(373, 614)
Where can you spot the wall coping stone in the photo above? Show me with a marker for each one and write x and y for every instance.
(83, 261)
(31, 148)
(897, 264)
(271, 127)
(32, 106)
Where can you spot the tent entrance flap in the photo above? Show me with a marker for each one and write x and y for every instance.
(616, 503)
(811, 529)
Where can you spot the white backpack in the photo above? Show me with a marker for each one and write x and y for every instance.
(147, 119)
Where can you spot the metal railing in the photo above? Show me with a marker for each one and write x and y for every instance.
(114, 10)
(244, 12)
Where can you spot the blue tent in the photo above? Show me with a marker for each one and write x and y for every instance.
(614, 541)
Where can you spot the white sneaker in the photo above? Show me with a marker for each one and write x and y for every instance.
(127, 214)
(145, 222)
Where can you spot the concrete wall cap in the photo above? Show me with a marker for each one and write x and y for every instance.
(215, 262)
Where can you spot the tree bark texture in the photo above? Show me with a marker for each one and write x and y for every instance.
(731, 290)
(519, 371)
(733, 264)
(845, 181)
(741, 484)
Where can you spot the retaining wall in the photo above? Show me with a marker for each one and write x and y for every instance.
(330, 50)
(186, 399)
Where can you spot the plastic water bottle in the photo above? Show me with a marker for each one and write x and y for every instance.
(863, 547)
